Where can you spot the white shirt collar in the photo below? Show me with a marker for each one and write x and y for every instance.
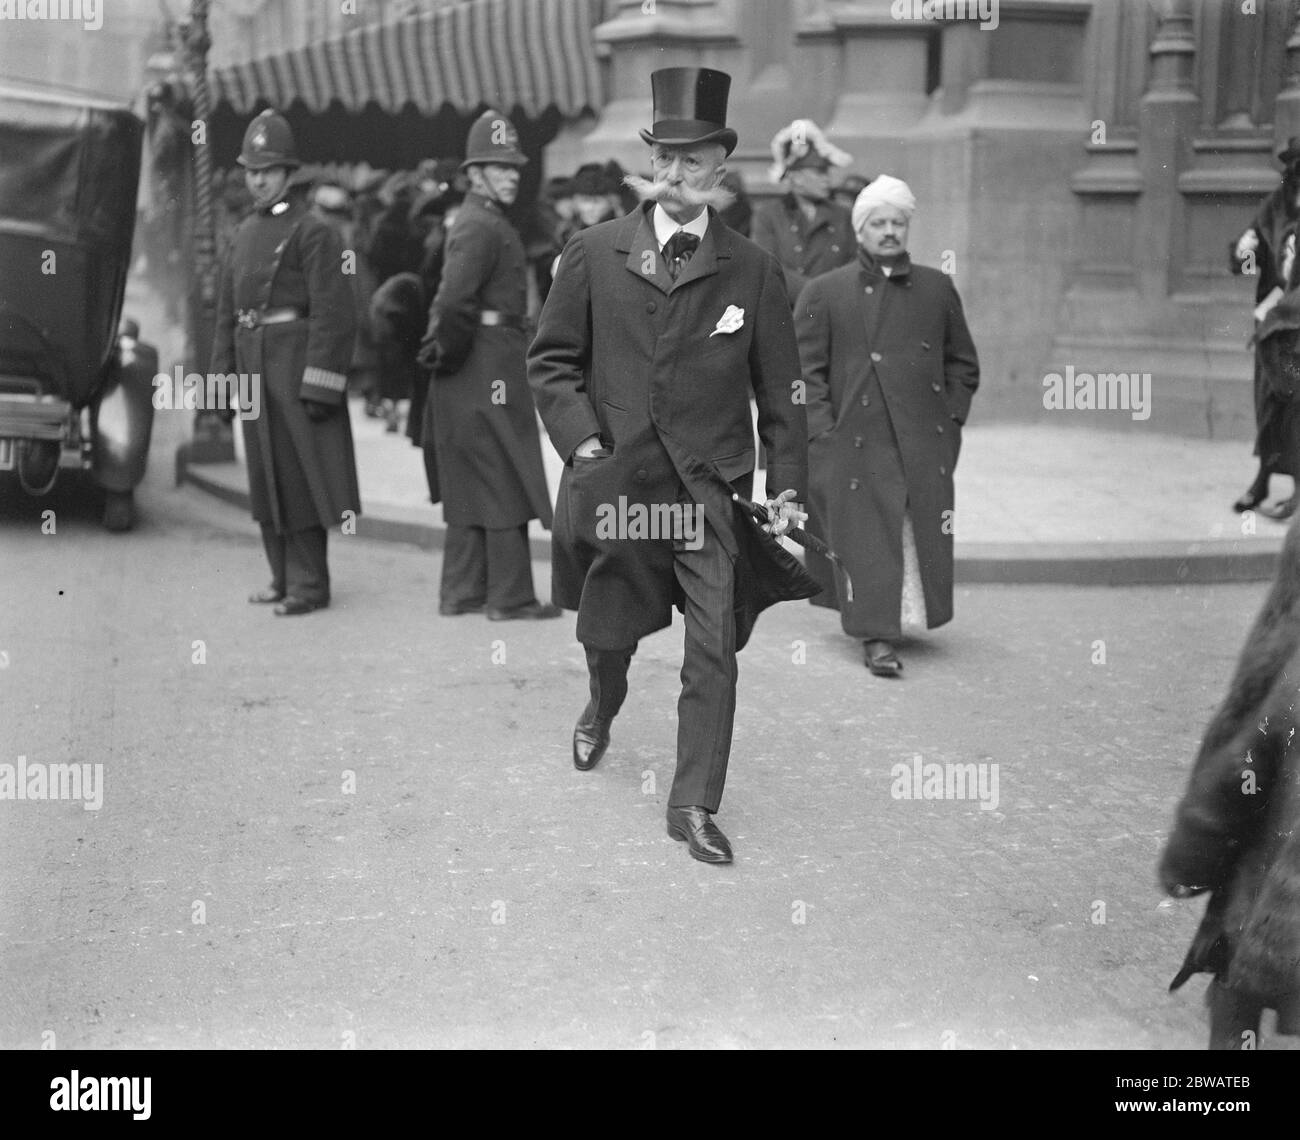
(665, 227)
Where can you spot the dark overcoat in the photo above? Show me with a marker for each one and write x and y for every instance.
(480, 412)
(624, 352)
(300, 473)
(1237, 828)
(399, 311)
(805, 249)
(890, 369)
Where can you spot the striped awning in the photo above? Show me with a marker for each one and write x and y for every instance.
(529, 54)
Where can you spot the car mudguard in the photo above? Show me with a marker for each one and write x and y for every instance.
(121, 420)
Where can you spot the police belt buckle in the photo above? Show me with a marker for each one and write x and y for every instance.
(254, 318)
(491, 318)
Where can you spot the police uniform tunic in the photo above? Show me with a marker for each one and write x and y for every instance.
(300, 473)
(480, 412)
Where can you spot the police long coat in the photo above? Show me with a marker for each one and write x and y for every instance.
(625, 353)
(890, 369)
(480, 411)
(805, 249)
(300, 473)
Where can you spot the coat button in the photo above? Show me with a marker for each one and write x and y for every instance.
(925, 344)
(936, 387)
(875, 356)
(939, 428)
(857, 441)
(870, 289)
(798, 249)
(943, 471)
(642, 475)
(853, 484)
(650, 308)
(866, 401)
(835, 249)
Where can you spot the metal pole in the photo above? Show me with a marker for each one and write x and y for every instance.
(213, 432)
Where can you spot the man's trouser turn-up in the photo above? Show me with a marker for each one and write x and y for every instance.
(706, 709)
(299, 567)
(487, 567)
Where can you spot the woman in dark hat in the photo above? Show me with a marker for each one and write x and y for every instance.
(592, 191)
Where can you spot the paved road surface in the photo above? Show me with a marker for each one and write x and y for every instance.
(363, 826)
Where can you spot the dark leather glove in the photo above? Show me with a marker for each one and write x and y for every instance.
(316, 411)
(427, 357)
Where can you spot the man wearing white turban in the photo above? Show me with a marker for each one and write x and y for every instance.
(890, 369)
(883, 190)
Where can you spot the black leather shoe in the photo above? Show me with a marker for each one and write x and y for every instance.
(266, 597)
(1283, 510)
(590, 739)
(455, 609)
(533, 611)
(1251, 499)
(295, 607)
(695, 826)
(881, 659)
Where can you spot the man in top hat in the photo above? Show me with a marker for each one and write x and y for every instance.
(479, 412)
(805, 229)
(1277, 413)
(287, 317)
(659, 328)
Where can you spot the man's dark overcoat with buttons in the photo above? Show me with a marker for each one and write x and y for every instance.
(890, 369)
(625, 353)
(480, 411)
(805, 249)
(301, 474)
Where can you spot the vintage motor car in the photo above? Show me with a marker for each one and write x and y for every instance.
(75, 391)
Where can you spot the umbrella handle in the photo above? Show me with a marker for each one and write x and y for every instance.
(802, 538)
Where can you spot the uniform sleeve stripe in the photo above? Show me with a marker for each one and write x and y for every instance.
(323, 378)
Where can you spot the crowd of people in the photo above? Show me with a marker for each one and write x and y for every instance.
(635, 318)
(397, 223)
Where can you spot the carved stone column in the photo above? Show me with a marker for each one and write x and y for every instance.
(883, 70)
(1167, 123)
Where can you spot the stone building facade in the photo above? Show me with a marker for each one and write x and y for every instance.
(1081, 165)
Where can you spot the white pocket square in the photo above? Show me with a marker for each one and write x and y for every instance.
(730, 321)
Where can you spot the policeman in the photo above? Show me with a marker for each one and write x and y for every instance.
(480, 409)
(286, 318)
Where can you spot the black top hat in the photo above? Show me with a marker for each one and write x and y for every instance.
(1291, 152)
(690, 106)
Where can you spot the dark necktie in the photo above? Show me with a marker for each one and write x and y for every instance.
(678, 250)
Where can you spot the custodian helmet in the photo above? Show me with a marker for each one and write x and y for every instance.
(493, 138)
(268, 142)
